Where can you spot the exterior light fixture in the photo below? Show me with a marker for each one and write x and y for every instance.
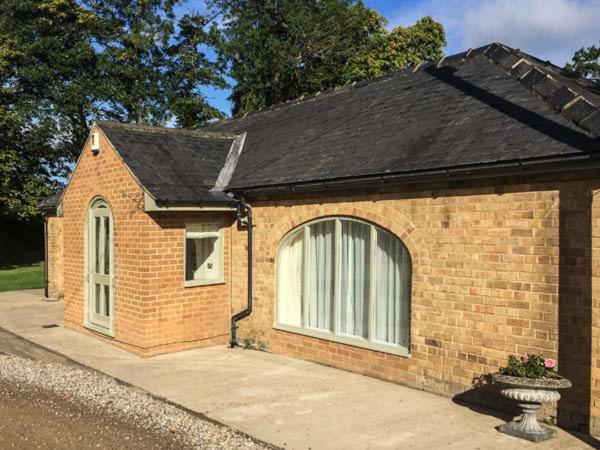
(95, 143)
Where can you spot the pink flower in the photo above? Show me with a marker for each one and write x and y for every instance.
(524, 358)
(530, 354)
(550, 363)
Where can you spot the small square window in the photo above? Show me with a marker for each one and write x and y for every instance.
(203, 254)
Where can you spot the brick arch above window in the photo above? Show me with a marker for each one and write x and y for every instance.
(383, 216)
(94, 201)
(98, 200)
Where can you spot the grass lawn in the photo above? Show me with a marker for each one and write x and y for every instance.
(22, 277)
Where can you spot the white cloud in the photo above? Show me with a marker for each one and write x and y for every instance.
(548, 29)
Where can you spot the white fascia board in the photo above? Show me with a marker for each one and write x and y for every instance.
(151, 206)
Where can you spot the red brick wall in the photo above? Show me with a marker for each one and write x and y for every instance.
(154, 312)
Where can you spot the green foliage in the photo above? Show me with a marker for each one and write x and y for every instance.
(47, 89)
(587, 62)
(550, 420)
(151, 69)
(22, 277)
(189, 68)
(400, 48)
(528, 366)
(65, 63)
(277, 50)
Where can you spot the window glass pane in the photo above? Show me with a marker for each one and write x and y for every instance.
(97, 299)
(354, 278)
(311, 277)
(289, 283)
(106, 301)
(392, 296)
(106, 245)
(202, 258)
(321, 269)
(97, 248)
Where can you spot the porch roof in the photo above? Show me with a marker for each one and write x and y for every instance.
(174, 166)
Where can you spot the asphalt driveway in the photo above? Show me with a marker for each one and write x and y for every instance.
(283, 401)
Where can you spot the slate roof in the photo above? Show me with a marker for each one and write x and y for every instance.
(51, 202)
(483, 107)
(173, 165)
(489, 107)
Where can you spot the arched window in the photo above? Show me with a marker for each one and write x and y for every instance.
(345, 280)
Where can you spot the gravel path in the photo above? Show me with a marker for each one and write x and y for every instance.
(102, 394)
(32, 418)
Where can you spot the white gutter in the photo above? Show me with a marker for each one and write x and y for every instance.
(151, 206)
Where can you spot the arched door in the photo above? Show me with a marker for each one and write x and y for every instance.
(100, 267)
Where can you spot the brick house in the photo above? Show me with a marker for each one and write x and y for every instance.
(418, 228)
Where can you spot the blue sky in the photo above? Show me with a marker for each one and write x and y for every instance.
(548, 29)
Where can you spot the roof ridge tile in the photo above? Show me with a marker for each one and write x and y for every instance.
(201, 133)
(528, 70)
(574, 105)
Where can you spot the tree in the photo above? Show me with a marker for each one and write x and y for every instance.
(400, 48)
(586, 61)
(190, 69)
(277, 50)
(151, 69)
(65, 63)
(47, 73)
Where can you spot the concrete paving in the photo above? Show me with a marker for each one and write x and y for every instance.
(283, 401)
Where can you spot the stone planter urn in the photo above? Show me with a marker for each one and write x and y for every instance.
(530, 394)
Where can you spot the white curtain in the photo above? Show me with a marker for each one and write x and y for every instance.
(393, 268)
(321, 275)
(354, 278)
(289, 286)
(315, 283)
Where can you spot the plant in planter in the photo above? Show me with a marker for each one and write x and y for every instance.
(530, 380)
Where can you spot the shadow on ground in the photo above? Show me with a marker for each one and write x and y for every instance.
(484, 399)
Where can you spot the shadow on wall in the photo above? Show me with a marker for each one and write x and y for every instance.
(575, 305)
(21, 242)
(544, 125)
(574, 323)
(575, 248)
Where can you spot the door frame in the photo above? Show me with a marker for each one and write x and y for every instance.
(107, 326)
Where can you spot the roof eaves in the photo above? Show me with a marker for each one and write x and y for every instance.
(51, 203)
(483, 170)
